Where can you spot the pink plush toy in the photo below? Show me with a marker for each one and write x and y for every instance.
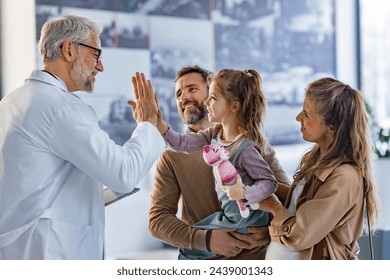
(224, 171)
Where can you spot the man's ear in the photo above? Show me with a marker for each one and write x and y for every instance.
(68, 50)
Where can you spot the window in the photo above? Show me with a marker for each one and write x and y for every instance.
(375, 57)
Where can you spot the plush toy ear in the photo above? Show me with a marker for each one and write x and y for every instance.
(214, 141)
(224, 154)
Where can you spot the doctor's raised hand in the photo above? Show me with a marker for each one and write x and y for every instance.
(145, 107)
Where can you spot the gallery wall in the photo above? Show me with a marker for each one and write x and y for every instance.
(289, 42)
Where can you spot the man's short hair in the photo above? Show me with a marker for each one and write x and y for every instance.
(193, 69)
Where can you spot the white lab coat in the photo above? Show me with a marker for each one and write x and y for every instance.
(54, 161)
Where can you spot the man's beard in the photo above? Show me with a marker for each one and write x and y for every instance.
(81, 75)
(195, 117)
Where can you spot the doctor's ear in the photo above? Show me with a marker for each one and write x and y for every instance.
(68, 50)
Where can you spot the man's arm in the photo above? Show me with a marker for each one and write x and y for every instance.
(163, 222)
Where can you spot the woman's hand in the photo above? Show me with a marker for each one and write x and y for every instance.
(235, 191)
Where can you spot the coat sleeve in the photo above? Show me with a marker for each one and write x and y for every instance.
(334, 202)
(77, 138)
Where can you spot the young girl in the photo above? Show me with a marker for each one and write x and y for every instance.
(236, 104)
(334, 187)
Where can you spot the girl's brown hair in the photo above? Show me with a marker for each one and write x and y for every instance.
(246, 88)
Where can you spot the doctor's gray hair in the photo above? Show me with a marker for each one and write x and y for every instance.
(69, 27)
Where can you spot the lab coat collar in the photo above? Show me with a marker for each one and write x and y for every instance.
(49, 79)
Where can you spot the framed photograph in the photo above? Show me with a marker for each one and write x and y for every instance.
(290, 43)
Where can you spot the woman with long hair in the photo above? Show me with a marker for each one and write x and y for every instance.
(334, 188)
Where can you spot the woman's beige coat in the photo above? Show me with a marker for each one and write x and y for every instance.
(328, 224)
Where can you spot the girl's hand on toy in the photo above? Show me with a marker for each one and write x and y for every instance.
(235, 191)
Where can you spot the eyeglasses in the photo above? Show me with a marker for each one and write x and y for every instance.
(99, 54)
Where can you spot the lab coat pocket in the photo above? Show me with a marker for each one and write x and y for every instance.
(70, 241)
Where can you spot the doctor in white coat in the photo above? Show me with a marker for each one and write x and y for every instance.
(54, 158)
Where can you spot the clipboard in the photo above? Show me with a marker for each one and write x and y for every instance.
(111, 196)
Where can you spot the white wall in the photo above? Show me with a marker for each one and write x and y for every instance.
(18, 43)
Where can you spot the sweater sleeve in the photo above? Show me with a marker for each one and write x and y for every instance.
(269, 156)
(186, 143)
(259, 181)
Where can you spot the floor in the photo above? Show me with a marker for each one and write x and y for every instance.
(160, 254)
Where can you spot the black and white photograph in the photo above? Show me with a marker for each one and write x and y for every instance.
(111, 95)
(243, 10)
(197, 9)
(42, 14)
(289, 42)
(131, 31)
(106, 19)
(174, 43)
(107, 5)
(119, 122)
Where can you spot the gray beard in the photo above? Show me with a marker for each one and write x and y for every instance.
(80, 76)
